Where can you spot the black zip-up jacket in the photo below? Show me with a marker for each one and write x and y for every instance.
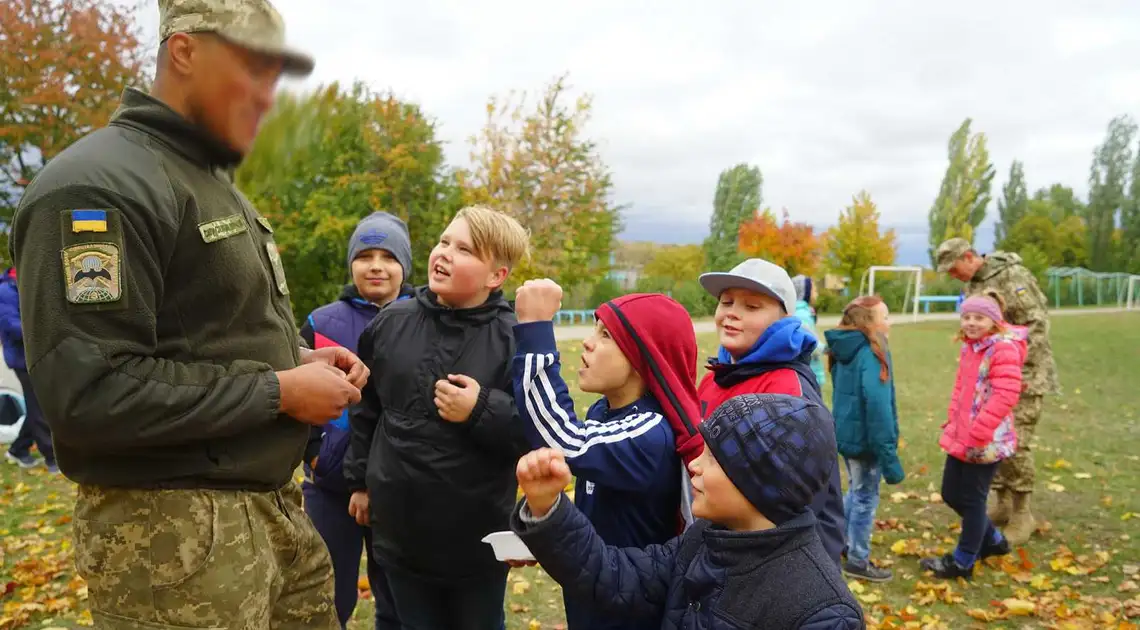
(153, 334)
(436, 487)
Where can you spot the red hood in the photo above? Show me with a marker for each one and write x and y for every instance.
(656, 334)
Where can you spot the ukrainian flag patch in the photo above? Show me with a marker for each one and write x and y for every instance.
(1020, 290)
(88, 221)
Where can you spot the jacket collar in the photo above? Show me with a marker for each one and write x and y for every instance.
(145, 113)
(747, 550)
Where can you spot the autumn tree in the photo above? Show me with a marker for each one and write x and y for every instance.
(856, 242)
(793, 246)
(965, 192)
(326, 159)
(536, 164)
(1014, 202)
(63, 66)
(737, 199)
(1108, 177)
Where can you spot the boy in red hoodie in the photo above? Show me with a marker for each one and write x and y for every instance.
(641, 359)
(764, 351)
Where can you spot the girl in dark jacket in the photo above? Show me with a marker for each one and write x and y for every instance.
(866, 423)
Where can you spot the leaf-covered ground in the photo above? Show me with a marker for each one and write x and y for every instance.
(1082, 570)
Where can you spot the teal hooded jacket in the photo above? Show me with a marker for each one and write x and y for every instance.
(866, 416)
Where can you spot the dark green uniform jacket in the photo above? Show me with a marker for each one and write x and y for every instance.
(157, 311)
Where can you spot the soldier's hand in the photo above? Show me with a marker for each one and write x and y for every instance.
(316, 393)
(537, 300)
(358, 506)
(340, 358)
(542, 475)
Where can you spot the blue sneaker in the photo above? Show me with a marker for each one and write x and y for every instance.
(23, 461)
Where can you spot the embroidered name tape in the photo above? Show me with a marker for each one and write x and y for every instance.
(223, 228)
(88, 221)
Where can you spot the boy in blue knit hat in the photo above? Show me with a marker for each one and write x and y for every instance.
(380, 267)
(753, 560)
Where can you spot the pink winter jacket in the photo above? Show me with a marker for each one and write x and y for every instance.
(979, 426)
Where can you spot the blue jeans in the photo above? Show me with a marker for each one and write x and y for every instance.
(859, 505)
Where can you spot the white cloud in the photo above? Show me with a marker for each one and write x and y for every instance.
(826, 97)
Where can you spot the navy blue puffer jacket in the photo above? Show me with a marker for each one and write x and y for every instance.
(708, 578)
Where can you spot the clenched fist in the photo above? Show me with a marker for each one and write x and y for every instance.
(542, 475)
(537, 300)
(455, 397)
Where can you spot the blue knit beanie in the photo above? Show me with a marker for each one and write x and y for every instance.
(778, 450)
(381, 230)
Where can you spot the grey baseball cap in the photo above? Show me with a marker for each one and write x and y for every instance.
(754, 274)
(252, 24)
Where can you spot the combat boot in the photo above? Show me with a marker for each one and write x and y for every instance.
(1002, 507)
(1021, 523)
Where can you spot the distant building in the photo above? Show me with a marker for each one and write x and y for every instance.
(625, 278)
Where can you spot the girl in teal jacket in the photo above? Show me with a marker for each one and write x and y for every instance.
(866, 423)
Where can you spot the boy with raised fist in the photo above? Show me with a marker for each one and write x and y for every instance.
(753, 561)
(641, 359)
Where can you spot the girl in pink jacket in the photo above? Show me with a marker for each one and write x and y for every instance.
(978, 433)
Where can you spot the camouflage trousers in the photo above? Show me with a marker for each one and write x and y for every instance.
(1018, 473)
(157, 559)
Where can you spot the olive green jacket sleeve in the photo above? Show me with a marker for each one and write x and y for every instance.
(97, 367)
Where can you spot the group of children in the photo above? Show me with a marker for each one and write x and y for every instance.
(713, 505)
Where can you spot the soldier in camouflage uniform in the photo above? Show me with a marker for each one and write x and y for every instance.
(158, 318)
(1002, 274)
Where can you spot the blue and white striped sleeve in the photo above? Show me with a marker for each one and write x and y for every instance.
(626, 453)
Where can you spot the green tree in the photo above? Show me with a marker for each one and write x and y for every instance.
(965, 192)
(63, 66)
(1062, 202)
(678, 263)
(536, 165)
(856, 242)
(1130, 223)
(1014, 202)
(1112, 161)
(326, 159)
(738, 198)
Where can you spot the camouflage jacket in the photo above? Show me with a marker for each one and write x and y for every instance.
(1025, 305)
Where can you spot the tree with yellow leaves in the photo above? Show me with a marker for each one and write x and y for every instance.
(536, 166)
(856, 243)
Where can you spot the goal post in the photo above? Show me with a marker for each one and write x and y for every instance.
(1133, 300)
(917, 271)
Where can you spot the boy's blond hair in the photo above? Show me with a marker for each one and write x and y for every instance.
(495, 235)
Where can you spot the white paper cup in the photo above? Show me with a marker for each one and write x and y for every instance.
(508, 546)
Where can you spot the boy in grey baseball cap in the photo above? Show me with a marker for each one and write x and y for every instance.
(766, 350)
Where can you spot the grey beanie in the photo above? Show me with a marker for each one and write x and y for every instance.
(381, 230)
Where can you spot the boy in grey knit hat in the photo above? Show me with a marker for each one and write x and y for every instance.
(379, 264)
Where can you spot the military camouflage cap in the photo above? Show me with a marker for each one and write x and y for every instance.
(251, 24)
(950, 251)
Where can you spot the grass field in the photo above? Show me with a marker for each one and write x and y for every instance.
(1081, 571)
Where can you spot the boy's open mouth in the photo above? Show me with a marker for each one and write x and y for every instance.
(439, 269)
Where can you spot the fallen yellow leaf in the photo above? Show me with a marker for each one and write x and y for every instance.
(1127, 586)
(1019, 607)
(1055, 487)
(520, 588)
(1059, 464)
(1082, 476)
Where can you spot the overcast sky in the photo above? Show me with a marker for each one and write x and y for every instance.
(827, 98)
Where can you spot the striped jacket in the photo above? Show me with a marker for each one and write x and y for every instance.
(629, 476)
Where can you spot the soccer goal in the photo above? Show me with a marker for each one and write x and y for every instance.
(1133, 300)
(910, 299)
